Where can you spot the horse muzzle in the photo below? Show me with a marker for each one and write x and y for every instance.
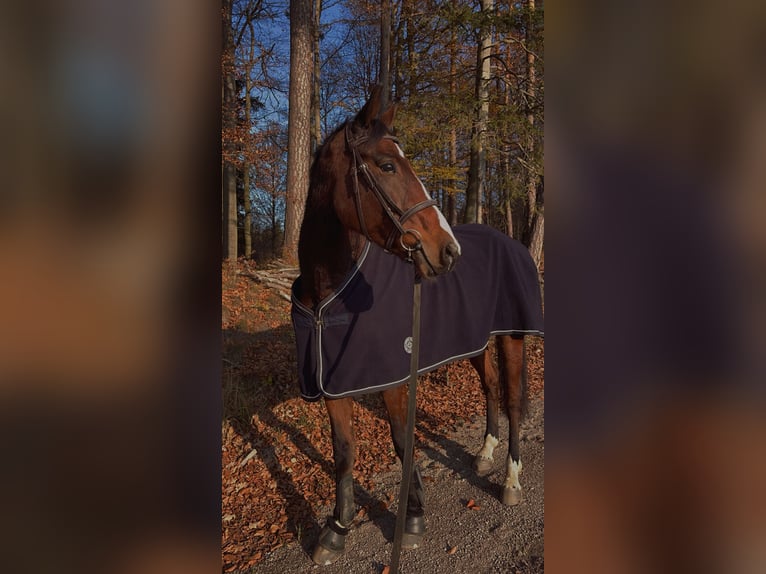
(430, 264)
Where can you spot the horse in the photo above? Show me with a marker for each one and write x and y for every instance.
(368, 218)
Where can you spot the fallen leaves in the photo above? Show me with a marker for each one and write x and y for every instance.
(471, 504)
(276, 456)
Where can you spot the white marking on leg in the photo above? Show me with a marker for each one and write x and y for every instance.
(512, 474)
(486, 451)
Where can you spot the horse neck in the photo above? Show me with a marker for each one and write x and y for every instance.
(327, 252)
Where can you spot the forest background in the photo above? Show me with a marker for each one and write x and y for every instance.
(468, 78)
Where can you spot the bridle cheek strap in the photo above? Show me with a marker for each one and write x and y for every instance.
(397, 216)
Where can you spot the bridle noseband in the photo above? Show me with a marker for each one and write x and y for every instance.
(394, 212)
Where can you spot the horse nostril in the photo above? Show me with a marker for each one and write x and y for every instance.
(450, 255)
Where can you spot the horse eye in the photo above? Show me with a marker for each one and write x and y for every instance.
(388, 167)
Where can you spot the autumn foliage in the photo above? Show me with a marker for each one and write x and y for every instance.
(277, 481)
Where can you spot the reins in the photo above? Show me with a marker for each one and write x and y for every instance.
(398, 217)
(409, 440)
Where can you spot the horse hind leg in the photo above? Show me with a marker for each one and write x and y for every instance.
(485, 367)
(513, 366)
(332, 539)
(415, 524)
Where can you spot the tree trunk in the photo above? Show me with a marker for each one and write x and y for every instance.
(229, 124)
(478, 164)
(299, 124)
(451, 207)
(395, 73)
(508, 180)
(452, 182)
(248, 204)
(537, 237)
(384, 76)
(274, 232)
(316, 116)
(412, 54)
(530, 139)
(246, 200)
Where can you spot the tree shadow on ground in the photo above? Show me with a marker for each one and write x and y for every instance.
(253, 388)
(260, 375)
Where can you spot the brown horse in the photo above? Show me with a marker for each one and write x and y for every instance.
(364, 193)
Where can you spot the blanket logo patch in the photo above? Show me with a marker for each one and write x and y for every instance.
(408, 345)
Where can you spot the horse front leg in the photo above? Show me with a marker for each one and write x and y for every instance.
(487, 371)
(332, 539)
(415, 523)
(513, 365)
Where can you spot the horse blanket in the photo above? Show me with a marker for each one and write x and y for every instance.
(358, 339)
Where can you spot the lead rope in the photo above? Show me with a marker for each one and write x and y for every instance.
(409, 440)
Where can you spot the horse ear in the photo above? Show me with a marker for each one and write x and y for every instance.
(370, 110)
(387, 117)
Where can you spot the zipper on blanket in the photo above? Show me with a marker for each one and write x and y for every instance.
(318, 324)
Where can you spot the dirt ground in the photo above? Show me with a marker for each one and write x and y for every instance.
(277, 473)
(492, 539)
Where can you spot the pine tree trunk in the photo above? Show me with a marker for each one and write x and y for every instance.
(229, 124)
(384, 76)
(530, 139)
(537, 237)
(299, 124)
(508, 176)
(478, 163)
(316, 109)
(248, 221)
(451, 208)
(246, 200)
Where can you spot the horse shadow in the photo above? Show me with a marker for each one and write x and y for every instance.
(255, 392)
(457, 457)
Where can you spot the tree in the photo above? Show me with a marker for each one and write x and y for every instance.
(246, 201)
(469, 76)
(535, 221)
(478, 167)
(299, 122)
(384, 77)
(269, 189)
(316, 104)
(229, 124)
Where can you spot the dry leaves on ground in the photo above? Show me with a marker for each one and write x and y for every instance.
(276, 453)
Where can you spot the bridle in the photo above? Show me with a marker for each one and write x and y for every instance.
(397, 215)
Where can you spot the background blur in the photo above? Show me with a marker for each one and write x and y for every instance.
(655, 139)
(109, 297)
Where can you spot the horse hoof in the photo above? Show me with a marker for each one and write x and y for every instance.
(411, 541)
(511, 496)
(414, 529)
(324, 556)
(482, 465)
(331, 544)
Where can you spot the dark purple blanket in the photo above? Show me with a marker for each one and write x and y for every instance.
(357, 340)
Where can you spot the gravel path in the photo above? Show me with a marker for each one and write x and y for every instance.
(491, 539)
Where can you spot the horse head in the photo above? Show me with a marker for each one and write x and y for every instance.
(383, 198)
